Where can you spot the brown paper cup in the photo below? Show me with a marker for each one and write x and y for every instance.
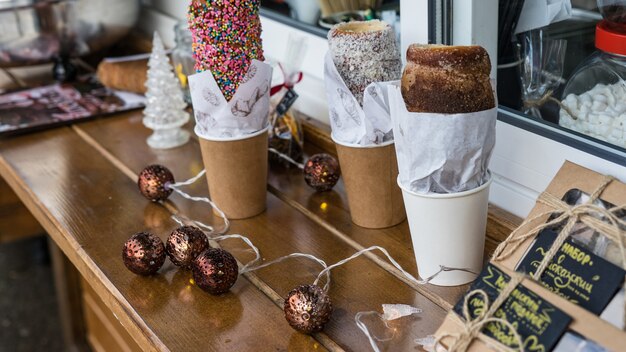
(369, 174)
(236, 171)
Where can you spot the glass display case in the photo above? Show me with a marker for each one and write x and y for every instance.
(544, 69)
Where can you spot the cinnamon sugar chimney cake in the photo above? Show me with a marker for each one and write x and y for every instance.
(447, 79)
(364, 52)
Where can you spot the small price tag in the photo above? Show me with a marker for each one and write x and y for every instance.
(286, 102)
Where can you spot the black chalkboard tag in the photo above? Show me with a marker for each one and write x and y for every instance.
(539, 323)
(286, 102)
(574, 273)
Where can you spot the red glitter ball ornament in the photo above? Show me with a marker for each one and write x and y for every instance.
(144, 253)
(322, 172)
(215, 271)
(308, 308)
(184, 244)
(154, 182)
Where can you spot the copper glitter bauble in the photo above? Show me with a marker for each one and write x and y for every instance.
(144, 253)
(153, 182)
(322, 172)
(215, 271)
(308, 308)
(184, 244)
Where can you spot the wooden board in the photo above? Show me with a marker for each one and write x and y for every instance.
(125, 137)
(295, 233)
(80, 183)
(90, 209)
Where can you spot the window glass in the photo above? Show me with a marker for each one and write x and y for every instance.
(317, 16)
(551, 70)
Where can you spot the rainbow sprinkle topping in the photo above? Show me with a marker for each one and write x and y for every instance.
(226, 38)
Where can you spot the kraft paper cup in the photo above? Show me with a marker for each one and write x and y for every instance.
(236, 172)
(369, 174)
(449, 230)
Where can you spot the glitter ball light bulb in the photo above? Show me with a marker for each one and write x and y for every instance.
(184, 244)
(153, 182)
(215, 271)
(308, 308)
(144, 253)
(322, 172)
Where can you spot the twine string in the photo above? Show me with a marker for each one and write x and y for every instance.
(175, 188)
(393, 262)
(548, 96)
(473, 326)
(286, 158)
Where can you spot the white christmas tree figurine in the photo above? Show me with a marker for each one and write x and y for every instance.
(164, 112)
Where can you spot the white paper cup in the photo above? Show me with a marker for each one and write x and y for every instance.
(449, 230)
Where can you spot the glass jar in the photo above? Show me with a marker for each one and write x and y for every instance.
(613, 11)
(182, 57)
(594, 98)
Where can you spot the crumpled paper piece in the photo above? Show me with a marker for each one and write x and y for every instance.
(441, 153)
(351, 123)
(246, 113)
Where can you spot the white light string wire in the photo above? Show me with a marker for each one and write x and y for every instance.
(358, 316)
(292, 255)
(442, 268)
(390, 312)
(325, 272)
(371, 337)
(287, 158)
(246, 268)
(175, 188)
(257, 254)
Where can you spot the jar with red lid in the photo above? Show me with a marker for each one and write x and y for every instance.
(594, 98)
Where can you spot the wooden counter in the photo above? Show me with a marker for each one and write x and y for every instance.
(80, 184)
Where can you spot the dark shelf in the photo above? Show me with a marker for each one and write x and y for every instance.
(282, 18)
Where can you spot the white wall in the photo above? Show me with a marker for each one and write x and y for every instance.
(162, 15)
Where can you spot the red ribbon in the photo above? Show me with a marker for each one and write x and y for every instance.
(289, 81)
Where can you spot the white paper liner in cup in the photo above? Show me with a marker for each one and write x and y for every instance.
(448, 230)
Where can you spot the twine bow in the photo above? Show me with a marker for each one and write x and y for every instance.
(290, 80)
(593, 216)
(473, 326)
(548, 96)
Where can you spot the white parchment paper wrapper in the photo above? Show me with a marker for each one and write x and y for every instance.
(351, 123)
(441, 153)
(247, 112)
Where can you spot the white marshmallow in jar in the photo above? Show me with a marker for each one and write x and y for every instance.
(594, 99)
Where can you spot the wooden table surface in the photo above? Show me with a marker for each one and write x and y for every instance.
(80, 184)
